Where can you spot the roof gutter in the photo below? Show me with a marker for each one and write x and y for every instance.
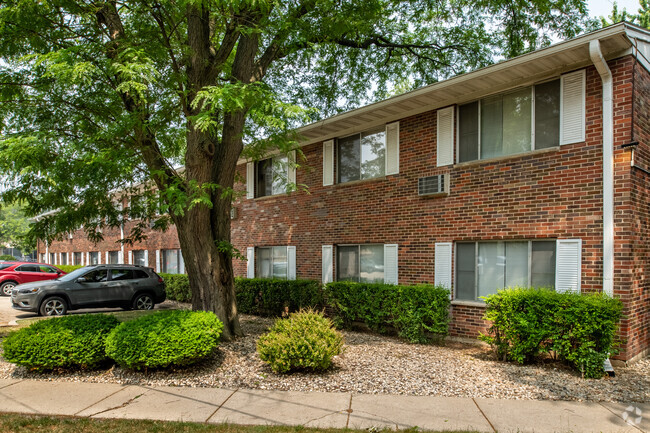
(608, 166)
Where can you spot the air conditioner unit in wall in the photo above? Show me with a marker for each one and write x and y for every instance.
(434, 185)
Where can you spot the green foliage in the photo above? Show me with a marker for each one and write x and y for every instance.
(68, 268)
(7, 257)
(415, 312)
(66, 342)
(578, 328)
(267, 297)
(303, 341)
(14, 226)
(177, 287)
(164, 339)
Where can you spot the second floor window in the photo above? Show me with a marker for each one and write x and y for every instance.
(271, 176)
(362, 156)
(510, 123)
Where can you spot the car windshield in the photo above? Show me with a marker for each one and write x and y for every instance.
(73, 275)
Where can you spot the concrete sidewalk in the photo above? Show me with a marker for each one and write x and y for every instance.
(314, 409)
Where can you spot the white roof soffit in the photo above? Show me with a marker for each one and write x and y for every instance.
(519, 71)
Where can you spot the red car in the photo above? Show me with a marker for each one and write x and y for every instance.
(14, 273)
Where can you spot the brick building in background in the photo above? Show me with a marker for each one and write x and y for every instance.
(530, 172)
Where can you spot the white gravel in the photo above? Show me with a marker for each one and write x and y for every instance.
(373, 364)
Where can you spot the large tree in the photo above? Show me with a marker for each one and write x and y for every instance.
(102, 100)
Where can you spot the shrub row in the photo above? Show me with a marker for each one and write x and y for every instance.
(580, 329)
(267, 297)
(177, 287)
(68, 268)
(302, 341)
(417, 312)
(162, 339)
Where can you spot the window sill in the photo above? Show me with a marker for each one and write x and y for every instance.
(469, 303)
(357, 182)
(507, 157)
(267, 197)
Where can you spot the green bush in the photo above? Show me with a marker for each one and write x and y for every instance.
(164, 339)
(268, 297)
(68, 268)
(578, 328)
(177, 287)
(416, 312)
(303, 341)
(66, 342)
(7, 257)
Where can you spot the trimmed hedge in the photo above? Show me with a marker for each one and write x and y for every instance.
(177, 287)
(416, 312)
(68, 268)
(65, 342)
(8, 257)
(164, 339)
(302, 341)
(266, 297)
(578, 328)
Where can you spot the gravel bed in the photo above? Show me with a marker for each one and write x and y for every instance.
(373, 364)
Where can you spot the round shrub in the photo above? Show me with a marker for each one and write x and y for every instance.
(65, 342)
(304, 340)
(164, 339)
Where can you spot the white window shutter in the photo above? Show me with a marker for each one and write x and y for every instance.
(250, 265)
(146, 258)
(328, 162)
(157, 260)
(390, 264)
(445, 137)
(250, 180)
(120, 257)
(568, 265)
(291, 262)
(328, 268)
(572, 107)
(291, 168)
(130, 257)
(442, 265)
(181, 262)
(392, 148)
(106, 253)
(88, 258)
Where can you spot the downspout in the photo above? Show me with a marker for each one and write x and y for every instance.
(608, 166)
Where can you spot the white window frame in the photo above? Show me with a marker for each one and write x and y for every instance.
(286, 176)
(336, 259)
(257, 261)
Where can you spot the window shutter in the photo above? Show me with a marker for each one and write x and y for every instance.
(291, 168)
(568, 265)
(390, 264)
(88, 258)
(181, 262)
(328, 268)
(442, 265)
(291, 262)
(572, 107)
(120, 257)
(328, 162)
(130, 257)
(445, 137)
(250, 264)
(392, 148)
(157, 260)
(146, 258)
(250, 180)
(106, 255)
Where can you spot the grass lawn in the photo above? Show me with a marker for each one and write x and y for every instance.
(13, 423)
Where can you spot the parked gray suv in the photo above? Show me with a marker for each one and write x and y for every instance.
(126, 286)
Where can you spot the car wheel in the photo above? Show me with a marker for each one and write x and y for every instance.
(7, 287)
(53, 306)
(143, 301)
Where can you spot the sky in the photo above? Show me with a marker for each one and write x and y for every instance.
(599, 8)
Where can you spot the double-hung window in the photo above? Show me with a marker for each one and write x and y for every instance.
(362, 156)
(271, 176)
(482, 268)
(77, 258)
(93, 258)
(510, 123)
(139, 258)
(271, 262)
(172, 262)
(360, 263)
(113, 257)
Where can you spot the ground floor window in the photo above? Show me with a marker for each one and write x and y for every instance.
(361, 263)
(93, 258)
(484, 267)
(42, 259)
(113, 257)
(52, 258)
(172, 262)
(271, 262)
(64, 259)
(77, 259)
(138, 258)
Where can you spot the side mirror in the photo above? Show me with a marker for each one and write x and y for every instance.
(81, 280)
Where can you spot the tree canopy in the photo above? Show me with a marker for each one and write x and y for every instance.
(107, 98)
(14, 226)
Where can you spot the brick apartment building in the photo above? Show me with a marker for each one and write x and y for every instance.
(530, 172)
